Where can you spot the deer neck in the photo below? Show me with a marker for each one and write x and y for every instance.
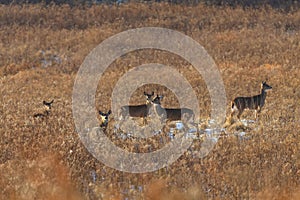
(157, 109)
(263, 94)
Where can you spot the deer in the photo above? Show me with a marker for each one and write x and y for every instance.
(239, 104)
(172, 114)
(46, 112)
(140, 111)
(104, 119)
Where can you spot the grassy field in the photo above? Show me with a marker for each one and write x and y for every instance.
(42, 48)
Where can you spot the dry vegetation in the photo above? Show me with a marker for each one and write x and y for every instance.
(41, 50)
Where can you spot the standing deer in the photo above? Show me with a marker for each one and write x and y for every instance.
(172, 114)
(239, 104)
(140, 111)
(46, 111)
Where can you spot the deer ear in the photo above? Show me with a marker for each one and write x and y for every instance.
(109, 112)
(152, 93)
(101, 113)
(145, 93)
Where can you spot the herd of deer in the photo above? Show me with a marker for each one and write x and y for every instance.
(153, 106)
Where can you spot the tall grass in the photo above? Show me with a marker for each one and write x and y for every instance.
(41, 49)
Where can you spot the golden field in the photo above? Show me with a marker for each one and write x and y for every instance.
(42, 47)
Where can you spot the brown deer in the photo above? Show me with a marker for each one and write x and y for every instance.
(172, 114)
(46, 111)
(140, 111)
(104, 119)
(239, 104)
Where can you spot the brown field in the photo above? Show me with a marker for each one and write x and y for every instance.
(42, 48)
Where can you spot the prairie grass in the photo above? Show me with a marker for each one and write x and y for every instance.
(41, 49)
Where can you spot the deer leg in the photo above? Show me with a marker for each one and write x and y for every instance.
(239, 114)
(255, 115)
(144, 121)
(121, 119)
(185, 127)
(232, 113)
(257, 111)
(186, 118)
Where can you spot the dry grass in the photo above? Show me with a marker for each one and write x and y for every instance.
(41, 49)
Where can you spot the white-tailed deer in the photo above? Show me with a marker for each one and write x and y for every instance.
(104, 119)
(172, 114)
(46, 111)
(239, 104)
(140, 111)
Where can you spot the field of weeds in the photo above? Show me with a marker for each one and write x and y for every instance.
(41, 49)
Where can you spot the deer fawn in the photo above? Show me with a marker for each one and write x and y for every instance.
(136, 110)
(239, 104)
(172, 114)
(104, 119)
(46, 112)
